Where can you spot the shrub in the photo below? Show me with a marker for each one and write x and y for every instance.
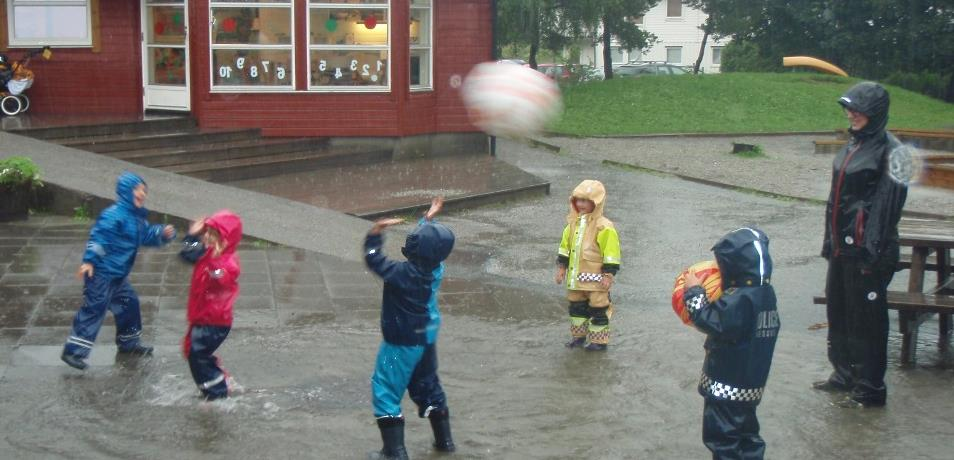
(927, 83)
(741, 56)
(19, 171)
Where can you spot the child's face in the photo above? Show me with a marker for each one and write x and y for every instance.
(212, 239)
(583, 206)
(139, 195)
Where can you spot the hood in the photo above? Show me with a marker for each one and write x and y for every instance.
(872, 100)
(428, 245)
(125, 185)
(592, 190)
(743, 258)
(229, 227)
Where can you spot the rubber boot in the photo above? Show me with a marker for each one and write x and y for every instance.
(392, 434)
(136, 350)
(440, 423)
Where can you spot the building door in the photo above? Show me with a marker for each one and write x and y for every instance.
(165, 54)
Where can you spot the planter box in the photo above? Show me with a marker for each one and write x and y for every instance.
(14, 203)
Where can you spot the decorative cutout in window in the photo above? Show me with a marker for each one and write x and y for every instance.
(252, 46)
(348, 46)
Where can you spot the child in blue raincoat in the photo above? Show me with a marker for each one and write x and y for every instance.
(407, 359)
(110, 253)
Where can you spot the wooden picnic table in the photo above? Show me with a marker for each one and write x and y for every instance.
(925, 237)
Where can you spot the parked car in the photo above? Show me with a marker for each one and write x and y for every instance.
(653, 68)
(554, 71)
(515, 61)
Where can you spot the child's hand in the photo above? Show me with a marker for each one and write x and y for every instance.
(692, 279)
(436, 205)
(197, 227)
(85, 271)
(607, 281)
(383, 224)
(560, 275)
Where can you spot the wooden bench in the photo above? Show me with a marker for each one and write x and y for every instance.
(904, 263)
(913, 309)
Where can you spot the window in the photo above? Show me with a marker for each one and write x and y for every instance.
(716, 55)
(349, 44)
(49, 22)
(252, 43)
(637, 20)
(420, 40)
(674, 54)
(616, 53)
(674, 9)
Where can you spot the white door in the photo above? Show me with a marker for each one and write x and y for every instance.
(165, 54)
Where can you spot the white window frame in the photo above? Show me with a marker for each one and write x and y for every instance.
(290, 4)
(13, 42)
(429, 47)
(384, 4)
(719, 49)
(680, 54)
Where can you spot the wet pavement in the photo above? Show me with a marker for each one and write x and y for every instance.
(306, 334)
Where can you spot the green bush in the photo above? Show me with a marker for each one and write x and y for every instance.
(741, 56)
(18, 171)
(927, 83)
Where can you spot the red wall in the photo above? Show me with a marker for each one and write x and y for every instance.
(77, 81)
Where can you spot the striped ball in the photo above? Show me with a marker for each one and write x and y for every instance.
(508, 99)
(708, 271)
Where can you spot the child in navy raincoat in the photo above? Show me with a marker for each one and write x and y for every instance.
(742, 326)
(407, 359)
(211, 245)
(110, 253)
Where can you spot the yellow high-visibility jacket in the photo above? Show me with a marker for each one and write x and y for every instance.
(589, 240)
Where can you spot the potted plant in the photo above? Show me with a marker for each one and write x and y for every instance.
(19, 178)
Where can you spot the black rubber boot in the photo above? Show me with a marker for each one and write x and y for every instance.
(137, 350)
(440, 423)
(392, 434)
(74, 361)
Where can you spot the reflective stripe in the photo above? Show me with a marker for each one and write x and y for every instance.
(697, 302)
(758, 249)
(79, 342)
(723, 391)
(213, 382)
(129, 336)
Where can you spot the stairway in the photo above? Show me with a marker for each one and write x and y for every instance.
(177, 145)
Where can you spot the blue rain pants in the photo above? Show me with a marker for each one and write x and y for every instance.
(99, 294)
(412, 368)
(206, 370)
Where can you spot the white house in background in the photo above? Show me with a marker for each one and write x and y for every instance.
(676, 27)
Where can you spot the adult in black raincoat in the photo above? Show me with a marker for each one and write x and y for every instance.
(861, 245)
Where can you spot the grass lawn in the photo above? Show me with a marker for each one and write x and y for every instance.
(731, 102)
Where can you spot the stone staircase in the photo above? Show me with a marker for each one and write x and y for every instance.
(177, 145)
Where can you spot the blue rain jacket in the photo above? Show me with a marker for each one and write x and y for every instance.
(410, 287)
(119, 231)
(742, 325)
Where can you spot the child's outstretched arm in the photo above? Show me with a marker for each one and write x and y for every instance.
(374, 256)
(158, 235)
(436, 205)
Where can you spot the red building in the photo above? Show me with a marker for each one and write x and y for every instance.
(290, 67)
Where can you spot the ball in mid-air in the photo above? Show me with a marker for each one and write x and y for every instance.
(508, 99)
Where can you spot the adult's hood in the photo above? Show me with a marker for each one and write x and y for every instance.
(428, 245)
(743, 258)
(125, 185)
(229, 227)
(872, 100)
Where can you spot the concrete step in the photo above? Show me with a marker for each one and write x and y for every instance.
(138, 127)
(282, 163)
(218, 152)
(120, 143)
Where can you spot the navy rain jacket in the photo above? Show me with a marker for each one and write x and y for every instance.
(119, 231)
(407, 285)
(864, 205)
(742, 325)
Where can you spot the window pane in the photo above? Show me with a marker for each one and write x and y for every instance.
(674, 55)
(349, 68)
(252, 67)
(349, 27)
(50, 22)
(168, 25)
(420, 27)
(167, 66)
(213, 2)
(420, 67)
(421, 3)
(716, 55)
(255, 26)
(363, 2)
(674, 8)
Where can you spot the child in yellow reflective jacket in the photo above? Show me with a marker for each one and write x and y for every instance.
(588, 261)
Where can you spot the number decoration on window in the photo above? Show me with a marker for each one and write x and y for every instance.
(263, 68)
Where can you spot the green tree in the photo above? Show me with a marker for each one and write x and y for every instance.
(604, 20)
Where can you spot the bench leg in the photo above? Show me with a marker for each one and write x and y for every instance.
(909, 322)
(944, 323)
